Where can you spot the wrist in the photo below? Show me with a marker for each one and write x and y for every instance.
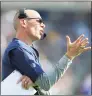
(69, 56)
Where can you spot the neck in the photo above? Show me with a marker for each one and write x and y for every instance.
(21, 35)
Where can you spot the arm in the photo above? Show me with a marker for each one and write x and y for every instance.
(57, 72)
(45, 81)
(24, 64)
(73, 50)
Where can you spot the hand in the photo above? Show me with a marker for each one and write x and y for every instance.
(77, 47)
(26, 82)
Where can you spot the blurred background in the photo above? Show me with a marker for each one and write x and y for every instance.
(61, 19)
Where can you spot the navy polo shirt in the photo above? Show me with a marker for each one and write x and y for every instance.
(19, 56)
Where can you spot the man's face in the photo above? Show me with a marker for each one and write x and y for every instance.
(35, 27)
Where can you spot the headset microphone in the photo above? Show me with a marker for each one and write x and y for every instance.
(44, 35)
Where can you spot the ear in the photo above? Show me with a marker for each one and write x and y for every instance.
(23, 23)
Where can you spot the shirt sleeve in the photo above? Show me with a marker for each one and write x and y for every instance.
(25, 64)
(57, 71)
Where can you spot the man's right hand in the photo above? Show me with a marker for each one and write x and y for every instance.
(26, 82)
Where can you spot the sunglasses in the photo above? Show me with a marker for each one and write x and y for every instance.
(38, 19)
(22, 15)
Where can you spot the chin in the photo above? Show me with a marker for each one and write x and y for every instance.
(38, 38)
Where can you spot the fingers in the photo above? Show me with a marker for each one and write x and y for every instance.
(20, 79)
(84, 49)
(87, 48)
(68, 40)
(84, 42)
(81, 43)
(30, 83)
(24, 83)
(79, 38)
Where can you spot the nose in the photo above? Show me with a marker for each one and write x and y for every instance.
(42, 25)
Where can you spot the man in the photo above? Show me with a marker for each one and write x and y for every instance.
(22, 56)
